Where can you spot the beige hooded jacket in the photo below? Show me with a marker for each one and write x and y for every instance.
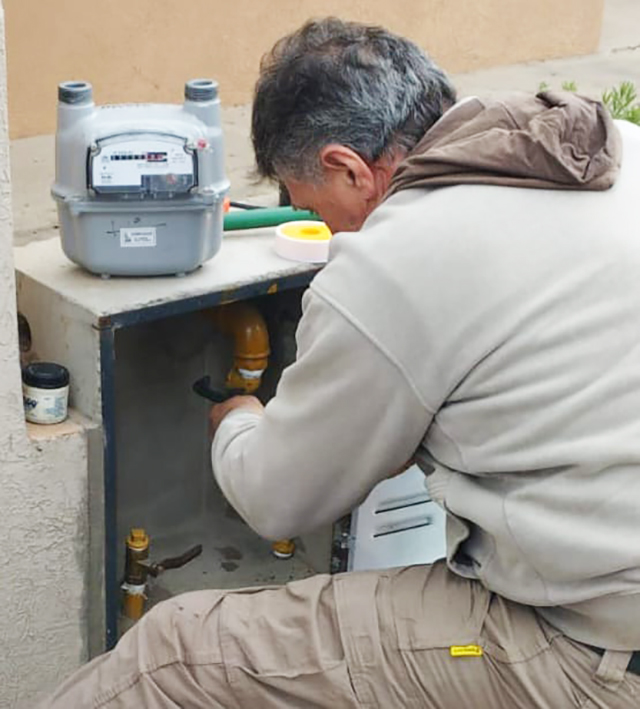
(495, 330)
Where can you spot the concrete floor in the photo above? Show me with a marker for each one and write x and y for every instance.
(617, 60)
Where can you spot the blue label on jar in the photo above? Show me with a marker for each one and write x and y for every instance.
(56, 409)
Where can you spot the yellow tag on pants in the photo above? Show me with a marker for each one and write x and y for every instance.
(466, 651)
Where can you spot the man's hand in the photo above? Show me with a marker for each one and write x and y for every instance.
(219, 411)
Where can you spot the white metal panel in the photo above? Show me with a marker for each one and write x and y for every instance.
(397, 525)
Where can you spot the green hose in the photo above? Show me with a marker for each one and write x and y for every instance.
(256, 218)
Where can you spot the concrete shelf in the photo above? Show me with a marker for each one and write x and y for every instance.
(246, 260)
(74, 425)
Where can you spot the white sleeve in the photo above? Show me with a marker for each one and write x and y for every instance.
(344, 417)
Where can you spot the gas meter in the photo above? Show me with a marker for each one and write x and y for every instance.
(140, 188)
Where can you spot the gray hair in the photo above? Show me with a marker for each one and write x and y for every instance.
(342, 82)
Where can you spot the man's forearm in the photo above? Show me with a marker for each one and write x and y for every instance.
(331, 433)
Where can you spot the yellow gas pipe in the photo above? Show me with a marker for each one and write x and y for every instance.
(138, 568)
(250, 343)
(134, 586)
(251, 352)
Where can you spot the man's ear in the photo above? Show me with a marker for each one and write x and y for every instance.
(342, 162)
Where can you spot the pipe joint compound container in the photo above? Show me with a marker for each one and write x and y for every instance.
(140, 188)
(45, 392)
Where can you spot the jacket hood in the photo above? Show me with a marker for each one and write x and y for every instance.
(555, 140)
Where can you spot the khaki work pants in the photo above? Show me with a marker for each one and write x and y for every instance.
(373, 639)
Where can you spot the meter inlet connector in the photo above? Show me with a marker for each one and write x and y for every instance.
(140, 188)
(283, 549)
(138, 568)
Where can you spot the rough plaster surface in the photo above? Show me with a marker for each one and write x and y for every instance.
(43, 555)
(43, 520)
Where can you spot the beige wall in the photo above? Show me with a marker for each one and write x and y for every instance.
(139, 50)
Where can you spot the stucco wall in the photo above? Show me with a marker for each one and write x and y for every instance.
(144, 50)
(43, 519)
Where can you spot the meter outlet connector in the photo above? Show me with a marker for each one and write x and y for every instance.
(140, 188)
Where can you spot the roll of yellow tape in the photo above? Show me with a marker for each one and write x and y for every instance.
(305, 241)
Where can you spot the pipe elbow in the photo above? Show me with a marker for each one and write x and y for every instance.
(248, 328)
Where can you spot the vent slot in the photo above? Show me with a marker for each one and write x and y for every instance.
(402, 503)
(403, 526)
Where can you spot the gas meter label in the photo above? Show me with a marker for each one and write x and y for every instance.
(138, 238)
(143, 166)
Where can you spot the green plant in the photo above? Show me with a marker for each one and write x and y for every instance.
(623, 102)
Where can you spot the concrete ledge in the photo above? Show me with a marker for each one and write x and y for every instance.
(75, 425)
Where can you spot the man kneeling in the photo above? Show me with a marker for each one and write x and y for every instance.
(479, 314)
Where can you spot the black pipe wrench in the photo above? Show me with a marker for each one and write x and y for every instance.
(204, 389)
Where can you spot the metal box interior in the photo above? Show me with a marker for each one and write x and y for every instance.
(165, 482)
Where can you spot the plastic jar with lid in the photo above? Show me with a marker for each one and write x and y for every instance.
(45, 392)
